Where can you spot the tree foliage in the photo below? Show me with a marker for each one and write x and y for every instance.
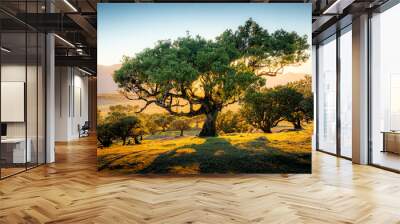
(267, 53)
(181, 124)
(104, 134)
(148, 123)
(162, 120)
(303, 86)
(126, 127)
(117, 124)
(231, 122)
(304, 111)
(290, 104)
(126, 109)
(262, 109)
(193, 76)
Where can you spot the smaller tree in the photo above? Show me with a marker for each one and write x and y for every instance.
(307, 106)
(125, 128)
(148, 124)
(137, 134)
(304, 87)
(262, 109)
(163, 121)
(181, 124)
(151, 125)
(290, 105)
(104, 135)
(298, 101)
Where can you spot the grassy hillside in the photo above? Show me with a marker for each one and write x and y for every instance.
(287, 152)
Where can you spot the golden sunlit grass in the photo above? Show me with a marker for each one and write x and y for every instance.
(288, 151)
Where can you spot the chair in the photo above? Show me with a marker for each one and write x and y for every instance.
(84, 130)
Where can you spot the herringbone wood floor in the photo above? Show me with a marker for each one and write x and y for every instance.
(72, 191)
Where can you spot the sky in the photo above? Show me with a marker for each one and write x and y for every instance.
(127, 29)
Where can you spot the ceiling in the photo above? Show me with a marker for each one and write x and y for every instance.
(75, 21)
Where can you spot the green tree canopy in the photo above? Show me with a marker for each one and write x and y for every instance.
(126, 127)
(231, 122)
(192, 76)
(104, 134)
(306, 106)
(162, 120)
(181, 124)
(290, 104)
(263, 109)
(267, 53)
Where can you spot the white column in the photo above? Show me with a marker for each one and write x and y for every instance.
(62, 103)
(50, 99)
(360, 90)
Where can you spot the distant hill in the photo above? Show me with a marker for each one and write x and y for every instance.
(105, 82)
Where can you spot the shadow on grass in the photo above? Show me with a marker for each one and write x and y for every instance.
(217, 155)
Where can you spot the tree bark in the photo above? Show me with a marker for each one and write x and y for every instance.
(297, 124)
(209, 127)
(137, 142)
(181, 132)
(266, 129)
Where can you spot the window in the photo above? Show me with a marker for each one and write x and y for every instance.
(385, 89)
(22, 93)
(327, 95)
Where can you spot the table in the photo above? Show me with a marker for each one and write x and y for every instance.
(13, 150)
(391, 141)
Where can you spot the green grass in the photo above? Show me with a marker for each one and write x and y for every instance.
(169, 134)
(283, 152)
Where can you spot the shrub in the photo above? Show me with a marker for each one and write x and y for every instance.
(104, 135)
(230, 122)
(126, 127)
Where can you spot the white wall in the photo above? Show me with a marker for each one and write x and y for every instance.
(71, 94)
(62, 82)
(16, 73)
(12, 73)
(33, 126)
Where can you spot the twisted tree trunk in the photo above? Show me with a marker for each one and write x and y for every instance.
(209, 127)
(297, 124)
(266, 129)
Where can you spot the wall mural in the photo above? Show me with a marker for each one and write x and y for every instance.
(204, 88)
